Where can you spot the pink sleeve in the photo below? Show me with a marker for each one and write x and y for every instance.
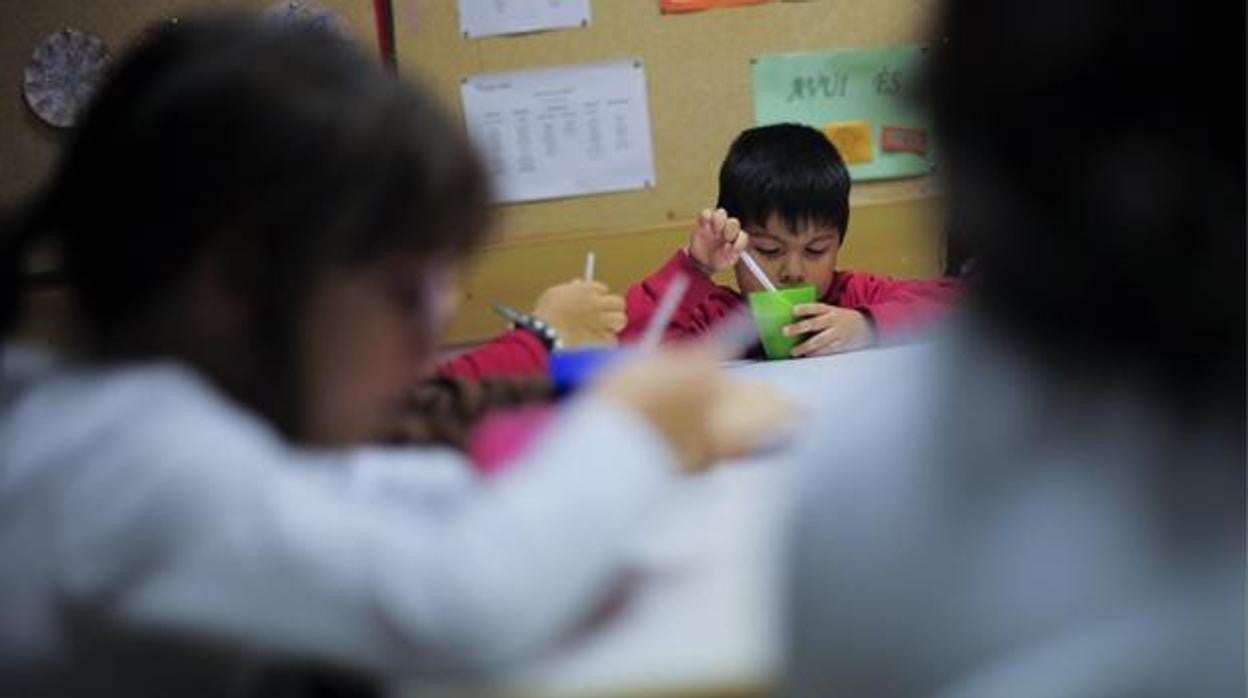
(514, 354)
(703, 305)
(898, 308)
(504, 436)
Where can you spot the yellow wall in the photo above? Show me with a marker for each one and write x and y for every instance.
(27, 146)
(697, 73)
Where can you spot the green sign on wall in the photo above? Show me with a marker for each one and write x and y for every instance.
(863, 98)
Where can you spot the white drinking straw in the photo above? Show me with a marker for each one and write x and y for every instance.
(663, 315)
(756, 270)
(589, 266)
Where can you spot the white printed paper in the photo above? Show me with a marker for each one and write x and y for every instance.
(478, 18)
(567, 131)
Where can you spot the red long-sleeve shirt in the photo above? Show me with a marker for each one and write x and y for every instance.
(897, 308)
(513, 354)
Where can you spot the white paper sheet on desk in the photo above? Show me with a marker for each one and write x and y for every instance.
(705, 613)
(478, 18)
(566, 131)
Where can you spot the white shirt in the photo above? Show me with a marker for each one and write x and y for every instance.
(139, 503)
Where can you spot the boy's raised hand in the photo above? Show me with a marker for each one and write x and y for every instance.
(833, 329)
(716, 241)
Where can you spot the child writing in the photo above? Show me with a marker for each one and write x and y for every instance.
(784, 197)
(578, 313)
(257, 225)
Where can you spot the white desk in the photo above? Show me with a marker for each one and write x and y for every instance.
(703, 609)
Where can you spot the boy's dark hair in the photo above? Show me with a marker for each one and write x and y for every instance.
(281, 149)
(788, 170)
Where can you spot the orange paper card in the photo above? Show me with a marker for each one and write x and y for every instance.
(853, 139)
(667, 6)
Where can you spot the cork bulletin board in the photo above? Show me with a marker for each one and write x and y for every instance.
(699, 90)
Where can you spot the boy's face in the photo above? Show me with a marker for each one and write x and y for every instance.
(791, 257)
(368, 337)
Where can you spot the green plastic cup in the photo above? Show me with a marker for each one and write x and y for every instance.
(772, 311)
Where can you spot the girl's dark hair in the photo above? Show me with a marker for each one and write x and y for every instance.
(12, 252)
(280, 140)
(1101, 184)
(788, 170)
(281, 148)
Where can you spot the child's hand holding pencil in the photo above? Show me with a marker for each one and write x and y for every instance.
(583, 313)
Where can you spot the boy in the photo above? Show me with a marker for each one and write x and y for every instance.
(784, 196)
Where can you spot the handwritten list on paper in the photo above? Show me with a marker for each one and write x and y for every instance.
(567, 131)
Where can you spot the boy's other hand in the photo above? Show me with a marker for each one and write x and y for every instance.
(716, 241)
(583, 313)
(833, 329)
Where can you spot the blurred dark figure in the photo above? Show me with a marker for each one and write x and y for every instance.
(960, 255)
(1050, 502)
